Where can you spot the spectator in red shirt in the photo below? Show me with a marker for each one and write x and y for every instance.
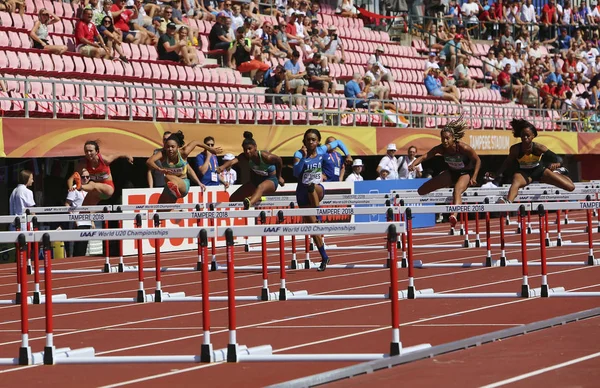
(121, 17)
(549, 95)
(548, 19)
(89, 41)
(290, 29)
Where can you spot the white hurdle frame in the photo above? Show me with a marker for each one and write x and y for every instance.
(392, 229)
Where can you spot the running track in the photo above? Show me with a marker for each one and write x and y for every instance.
(304, 327)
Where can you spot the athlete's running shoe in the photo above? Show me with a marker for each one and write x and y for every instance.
(323, 265)
(77, 180)
(503, 200)
(174, 189)
(453, 221)
(247, 203)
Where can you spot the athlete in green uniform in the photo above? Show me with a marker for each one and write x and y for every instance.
(463, 164)
(174, 165)
(266, 172)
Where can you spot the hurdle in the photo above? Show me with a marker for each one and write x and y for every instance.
(391, 229)
(525, 292)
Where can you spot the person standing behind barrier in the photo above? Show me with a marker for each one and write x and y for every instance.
(334, 167)
(229, 175)
(101, 185)
(405, 161)
(308, 168)
(390, 162)
(357, 167)
(75, 199)
(174, 166)
(154, 177)
(207, 164)
(536, 162)
(489, 179)
(266, 173)
(21, 197)
(463, 164)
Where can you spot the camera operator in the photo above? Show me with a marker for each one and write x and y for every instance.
(332, 44)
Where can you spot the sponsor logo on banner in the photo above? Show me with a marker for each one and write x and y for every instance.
(348, 211)
(87, 234)
(87, 217)
(464, 208)
(271, 229)
(589, 205)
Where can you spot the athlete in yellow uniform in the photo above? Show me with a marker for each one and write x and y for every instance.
(536, 162)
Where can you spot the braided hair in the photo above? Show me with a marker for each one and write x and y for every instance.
(456, 128)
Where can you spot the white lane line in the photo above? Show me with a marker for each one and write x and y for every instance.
(542, 370)
(161, 328)
(268, 326)
(470, 324)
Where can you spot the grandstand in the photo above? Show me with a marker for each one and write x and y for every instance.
(40, 84)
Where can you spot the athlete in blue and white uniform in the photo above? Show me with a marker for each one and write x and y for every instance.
(308, 168)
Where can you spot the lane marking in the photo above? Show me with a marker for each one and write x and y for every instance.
(542, 370)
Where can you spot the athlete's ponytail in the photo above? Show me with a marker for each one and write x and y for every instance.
(456, 128)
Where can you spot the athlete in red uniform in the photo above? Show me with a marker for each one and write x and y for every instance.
(100, 186)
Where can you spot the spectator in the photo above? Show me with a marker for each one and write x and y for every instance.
(237, 20)
(295, 79)
(504, 80)
(389, 162)
(582, 70)
(150, 8)
(75, 199)
(507, 39)
(121, 17)
(21, 197)
(316, 79)
(269, 43)
(290, 29)
(535, 50)
(405, 161)
(86, 36)
(378, 57)
(332, 43)
(281, 37)
(490, 65)
(591, 54)
(347, 9)
(470, 11)
(357, 167)
(359, 98)
(489, 178)
(239, 51)
(39, 33)
(434, 87)
(563, 42)
(97, 10)
(528, 16)
(495, 47)
(143, 23)
(431, 62)
(212, 7)
(314, 10)
(549, 96)
(461, 75)
(207, 165)
(452, 50)
(218, 36)
(548, 18)
(274, 81)
(229, 175)
(382, 92)
(112, 38)
(175, 48)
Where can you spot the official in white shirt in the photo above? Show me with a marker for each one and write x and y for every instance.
(405, 161)
(357, 167)
(75, 199)
(21, 197)
(389, 162)
(229, 175)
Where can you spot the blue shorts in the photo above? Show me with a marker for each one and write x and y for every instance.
(437, 92)
(302, 195)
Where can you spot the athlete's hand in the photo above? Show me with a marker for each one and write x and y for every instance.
(554, 166)
(281, 182)
(303, 150)
(202, 187)
(226, 185)
(130, 159)
(219, 169)
(473, 181)
(215, 150)
(411, 167)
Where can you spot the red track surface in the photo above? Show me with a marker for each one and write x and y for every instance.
(293, 326)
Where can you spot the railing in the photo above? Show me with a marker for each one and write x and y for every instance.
(246, 107)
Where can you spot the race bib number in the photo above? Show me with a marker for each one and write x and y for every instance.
(456, 165)
(311, 177)
(260, 172)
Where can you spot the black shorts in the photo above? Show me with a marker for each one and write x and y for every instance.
(535, 173)
(456, 174)
(37, 45)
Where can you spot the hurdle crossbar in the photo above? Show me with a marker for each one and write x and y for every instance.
(69, 209)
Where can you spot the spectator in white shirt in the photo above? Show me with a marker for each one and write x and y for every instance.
(357, 167)
(431, 62)
(386, 75)
(378, 90)
(229, 175)
(389, 162)
(405, 161)
(75, 199)
(489, 181)
(21, 197)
